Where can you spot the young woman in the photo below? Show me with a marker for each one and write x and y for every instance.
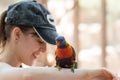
(24, 28)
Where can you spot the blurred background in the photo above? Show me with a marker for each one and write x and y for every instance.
(92, 27)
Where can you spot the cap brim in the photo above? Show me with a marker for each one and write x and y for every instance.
(47, 34)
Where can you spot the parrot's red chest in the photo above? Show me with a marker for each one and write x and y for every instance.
(64, 52)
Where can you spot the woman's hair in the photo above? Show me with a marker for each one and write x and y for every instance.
(2, 29)
(6, 29)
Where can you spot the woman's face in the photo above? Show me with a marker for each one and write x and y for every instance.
(30, 45)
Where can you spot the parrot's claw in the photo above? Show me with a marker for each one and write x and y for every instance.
(59, 68)
(72, 69)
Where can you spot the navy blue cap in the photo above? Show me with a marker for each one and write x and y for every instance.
(32, 13)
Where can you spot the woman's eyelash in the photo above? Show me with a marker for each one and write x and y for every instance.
(35, 34)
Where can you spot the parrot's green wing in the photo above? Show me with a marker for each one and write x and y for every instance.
(74, 56)
(74, 53)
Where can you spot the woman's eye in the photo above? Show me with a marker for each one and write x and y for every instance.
(34, 34)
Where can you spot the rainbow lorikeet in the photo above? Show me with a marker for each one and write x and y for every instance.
(65, 54)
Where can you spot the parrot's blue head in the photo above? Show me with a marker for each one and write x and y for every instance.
(60, 41)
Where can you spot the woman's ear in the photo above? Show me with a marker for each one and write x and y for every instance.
(16, 33)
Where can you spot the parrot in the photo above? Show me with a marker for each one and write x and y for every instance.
(65, 55)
